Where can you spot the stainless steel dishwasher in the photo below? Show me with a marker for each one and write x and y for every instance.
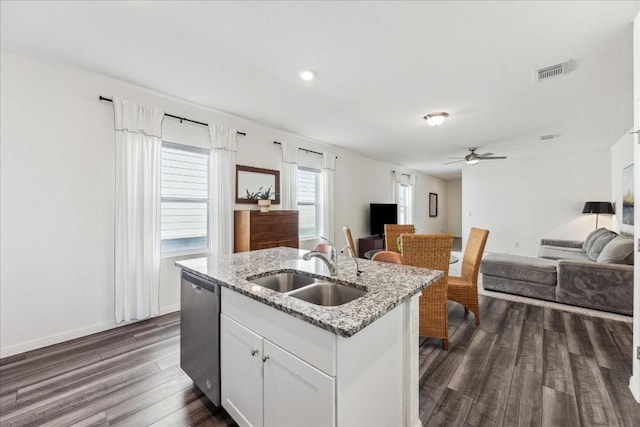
(200, 333)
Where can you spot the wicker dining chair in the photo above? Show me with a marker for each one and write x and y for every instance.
(347, 235)
(387, 256)
(431, 251)
(464, 289)
(392, 232)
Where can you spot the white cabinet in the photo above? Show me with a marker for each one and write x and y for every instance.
(241, 372)
(313, 377)
(306, 393)
(264, 385)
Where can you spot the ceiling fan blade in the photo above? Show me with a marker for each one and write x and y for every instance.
(455, 161)
(494, 158)
(485, 154)
(456, 158)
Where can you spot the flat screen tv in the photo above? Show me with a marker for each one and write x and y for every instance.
(381, 214)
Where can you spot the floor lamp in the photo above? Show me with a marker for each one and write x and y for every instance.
(597, 208)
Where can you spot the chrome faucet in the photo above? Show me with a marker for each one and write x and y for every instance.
(332, 262)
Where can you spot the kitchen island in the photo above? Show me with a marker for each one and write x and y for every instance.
(285, 361)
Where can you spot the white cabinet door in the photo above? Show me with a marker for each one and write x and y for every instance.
(295, 393)
(241, 372)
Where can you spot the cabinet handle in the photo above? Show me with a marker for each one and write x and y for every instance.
(254, 352)
(265, 358)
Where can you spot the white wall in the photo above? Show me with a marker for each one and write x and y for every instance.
(634, 382)
(621, 157)
(57, 195)
(523, 200)
(454, 207)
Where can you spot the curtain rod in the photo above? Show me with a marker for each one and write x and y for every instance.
(304, 149)
(405, 174)
(102, 98)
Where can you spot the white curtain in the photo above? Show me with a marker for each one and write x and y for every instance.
(222, 187)
(137, 210)
(327, 228)
(289, 177)
(412, 199)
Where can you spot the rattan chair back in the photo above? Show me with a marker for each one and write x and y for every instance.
(473, 254)
(392, 232)
(431, 251)
(464, 289)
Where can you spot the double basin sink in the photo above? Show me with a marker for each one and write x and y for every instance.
(315, 290)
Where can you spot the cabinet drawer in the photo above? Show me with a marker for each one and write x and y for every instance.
(290, 243)
(310, 343)
(273, 231)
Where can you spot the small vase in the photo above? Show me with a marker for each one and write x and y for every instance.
(264, 205)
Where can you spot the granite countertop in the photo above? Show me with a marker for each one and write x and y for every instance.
(387, 285)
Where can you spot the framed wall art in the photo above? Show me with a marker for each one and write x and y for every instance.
(433, 205)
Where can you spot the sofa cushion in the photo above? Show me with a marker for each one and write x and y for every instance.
(600, 243)
(618, 251)
(591, 238)
(557, 252)
(527, 269)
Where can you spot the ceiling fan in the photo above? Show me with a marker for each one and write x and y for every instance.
(473, 158)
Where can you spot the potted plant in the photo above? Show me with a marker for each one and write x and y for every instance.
(263, 197)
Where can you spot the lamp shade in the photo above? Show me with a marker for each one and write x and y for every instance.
(597, 208)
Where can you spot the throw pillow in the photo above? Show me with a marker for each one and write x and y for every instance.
(599, 244)
(591, 238)
(618, 251)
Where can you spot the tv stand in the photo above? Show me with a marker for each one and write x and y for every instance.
(369, 243)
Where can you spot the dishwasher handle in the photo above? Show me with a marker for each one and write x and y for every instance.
(198, 283)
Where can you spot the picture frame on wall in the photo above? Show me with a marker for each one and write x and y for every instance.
(433, 205)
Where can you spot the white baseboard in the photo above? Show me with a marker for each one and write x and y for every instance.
(70, 335)
(169, 309)
(634, 386)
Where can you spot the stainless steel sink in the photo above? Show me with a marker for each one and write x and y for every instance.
(328, 293)
(283, 282)
(315, 290)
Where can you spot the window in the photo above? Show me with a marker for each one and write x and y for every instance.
(404, 204)
(184, 199)
(308, 202)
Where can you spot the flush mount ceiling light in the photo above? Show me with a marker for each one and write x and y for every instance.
(307, 75)
(435, 119)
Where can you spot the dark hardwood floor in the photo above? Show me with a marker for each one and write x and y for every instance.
(524, 365)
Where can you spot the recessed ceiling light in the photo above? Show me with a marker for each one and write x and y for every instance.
(436, 119)
(307, 75)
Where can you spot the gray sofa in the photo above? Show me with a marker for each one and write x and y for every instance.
(595, 273)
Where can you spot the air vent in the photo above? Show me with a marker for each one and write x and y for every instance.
(552, 71)
(548, 137)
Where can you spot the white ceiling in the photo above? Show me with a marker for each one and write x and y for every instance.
(380, 67)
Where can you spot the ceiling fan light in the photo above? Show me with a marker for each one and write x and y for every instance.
(436, 119)
(473, 161)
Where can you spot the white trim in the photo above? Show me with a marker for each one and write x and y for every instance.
(76, 333)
